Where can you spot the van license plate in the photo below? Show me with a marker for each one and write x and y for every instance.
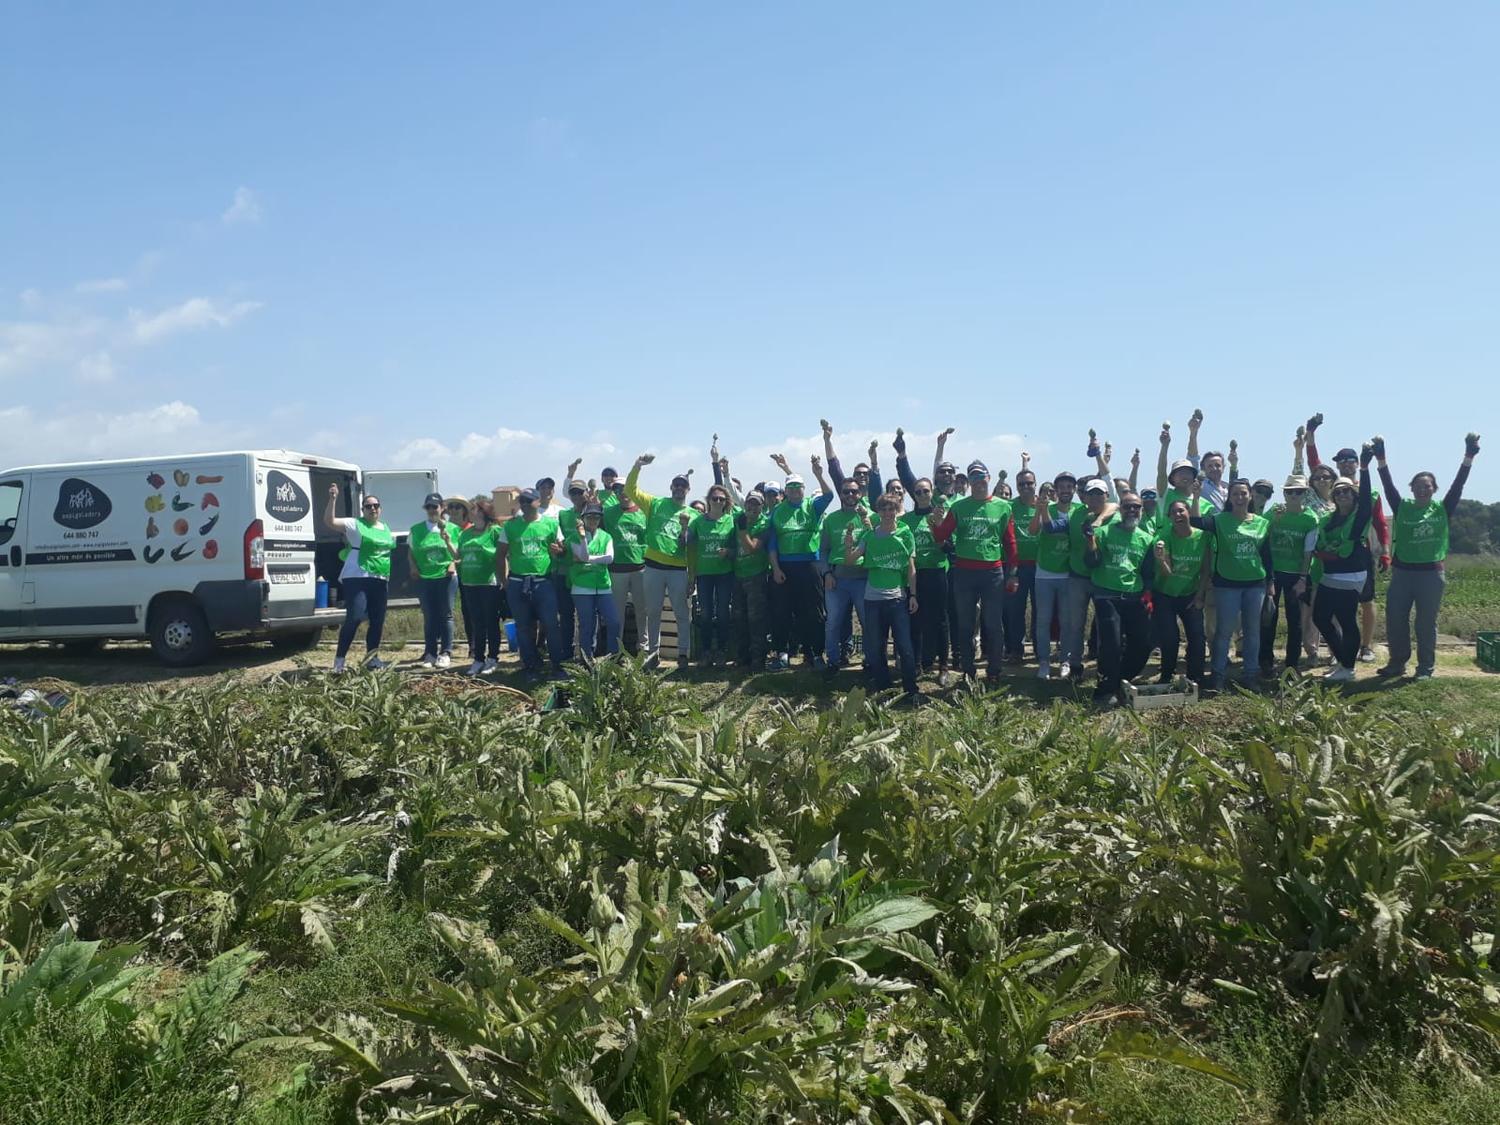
(288, 577)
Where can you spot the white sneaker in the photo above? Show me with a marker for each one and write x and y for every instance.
(1044, 672)
(1367, 655)
(338, 665)
(1339, 675)
(489, 666)
(428, 662)
(375, 664)
(475, 668)
(444, 661)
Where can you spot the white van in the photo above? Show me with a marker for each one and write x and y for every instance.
(183, 549)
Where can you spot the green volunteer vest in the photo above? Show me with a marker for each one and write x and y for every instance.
(796, 527)
(1076, 543)
(930, 554)
(375, 545)
(1121, 553)
(1337, 540)
(587, 575)
(1185, 554)
(529, 545)
(887, 556)
(429, 551)
(1027, 544)
(753, 563)
(476, 556)
(1052, 547)
(979, 528)
(1237, 547)
(712, 536)
(1288, 536)
(834, 523)
(663, 530)
(1421, 534)
(628, 530)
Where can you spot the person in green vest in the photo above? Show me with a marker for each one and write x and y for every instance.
(591, 551)
(1293, 530)
(843, 579)
(626, 524)
(528, 545)
(752, 571)
(1241, 578)
(1419, 548)
(930, 622)
(1121, 561)
(479, 587)
(713, 535)
(984, 547)
(1057, 509)
(364, 581)
(1022, 508)
(1342, 546)
(796, 601)
(888, 553)
(433, 558)
(666, 573)
(1184, 565)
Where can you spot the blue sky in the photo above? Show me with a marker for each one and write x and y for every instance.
(490, 238)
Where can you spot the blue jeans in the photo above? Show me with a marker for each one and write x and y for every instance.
(364, 599)
(714, 592)
(882, 614)
(1051, 598)
(847, 595)
(978, 596)
(1237, 608)
(1015, 611)
(436, 597)
(482, 620)
(1075, 615)
(534, 599)
(591, 609)
(563, 595)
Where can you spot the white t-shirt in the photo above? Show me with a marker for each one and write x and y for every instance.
(352, 569)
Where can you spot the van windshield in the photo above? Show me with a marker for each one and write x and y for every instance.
(10, 508)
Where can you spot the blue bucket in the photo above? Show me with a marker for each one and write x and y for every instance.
(510, 635)
(320, 599)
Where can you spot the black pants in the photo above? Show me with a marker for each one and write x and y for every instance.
(1169, 611)
(1124, 639)
(797, 609)
(1281, 593)
(1336, 614)
(930, 625)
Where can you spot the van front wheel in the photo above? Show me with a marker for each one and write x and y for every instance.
(180, 635)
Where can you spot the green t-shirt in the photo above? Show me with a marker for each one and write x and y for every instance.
(979, 528)
(1052, 546)
(752, 563)
(1027, 544)
(428, 551)
(1421, 533)
(587, 575)
(1237, 547)
(1185, 554)
(476, 555)
(628, 530)
(887, 557)
(834, 523)
(930, 554)
(1077, 519)
(528, 545)
(796, 527)
(1289, 531)
(1121, 554)
(663, 529)
(712, 536)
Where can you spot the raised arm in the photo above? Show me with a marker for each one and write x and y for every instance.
(874, 486)
(1298, 443)
(1234, 460)
(1135, 469)
(1193, 423)
(632, 481)
(835, 470)
(1455, 491)
(903, 466)
(730, 485)
(1161, 458)
(817, 472)
(331, 518)
(1313, 460)
(1387, 483)
(942, 444)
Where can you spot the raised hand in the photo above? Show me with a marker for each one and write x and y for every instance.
(874, 449)
(1313, 423)
(1025, 460)
(1196, 420)
(1166, 433)
(1135, 459)
(779, 459)
(942, 438)
(1109, 453)
(573, 468)
(645, 459)
(713, 450)
(817, 462)
(827, 427)
(333, 492)
(899, 445)
(1366, 454)
(1377, 443)
(1471, 444)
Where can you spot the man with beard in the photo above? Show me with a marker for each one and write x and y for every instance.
(1120, 558)
(984, 545)
(666, 558)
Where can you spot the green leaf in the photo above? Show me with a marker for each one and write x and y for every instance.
(891, 915)
(1139, 1045)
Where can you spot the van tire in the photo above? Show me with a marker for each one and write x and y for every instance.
(297, 642)
(180, 635)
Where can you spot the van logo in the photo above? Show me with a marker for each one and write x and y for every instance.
(285, 499)
(81, 504)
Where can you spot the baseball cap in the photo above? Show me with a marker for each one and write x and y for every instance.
(770, 488)
(978, 468)
(947, 467)
(592, 510)
(679, 479)
(1346, 454)
(1148, 494)
(1094, 484)
(545, 482)
(1345, 482)
(576, 486)
(433, 500)
(608, 472)
(527, 496)
(1065, 475)
(1184, 463)
(1296, 480)
(1264, 485)
(755, 498)
(794, 480)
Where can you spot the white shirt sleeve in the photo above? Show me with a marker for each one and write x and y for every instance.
(350, 528)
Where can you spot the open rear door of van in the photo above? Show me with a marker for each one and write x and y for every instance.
(401, 493)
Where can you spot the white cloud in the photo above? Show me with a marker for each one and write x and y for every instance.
(49, 436)
(29, 344)
(97, 367)
(244, 209)
(31, 299)
(102, 285)
(194, 313)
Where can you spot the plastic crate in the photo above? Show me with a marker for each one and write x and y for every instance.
(1151, 696)
(1489, 650)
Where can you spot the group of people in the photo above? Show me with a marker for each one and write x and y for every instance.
(940, 569)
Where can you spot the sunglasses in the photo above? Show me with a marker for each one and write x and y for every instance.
(369, 507)
(430, 507)
(851, 491)
(1130, 507)
(1293, 491)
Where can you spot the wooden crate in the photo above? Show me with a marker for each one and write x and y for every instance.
(1151, 696)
